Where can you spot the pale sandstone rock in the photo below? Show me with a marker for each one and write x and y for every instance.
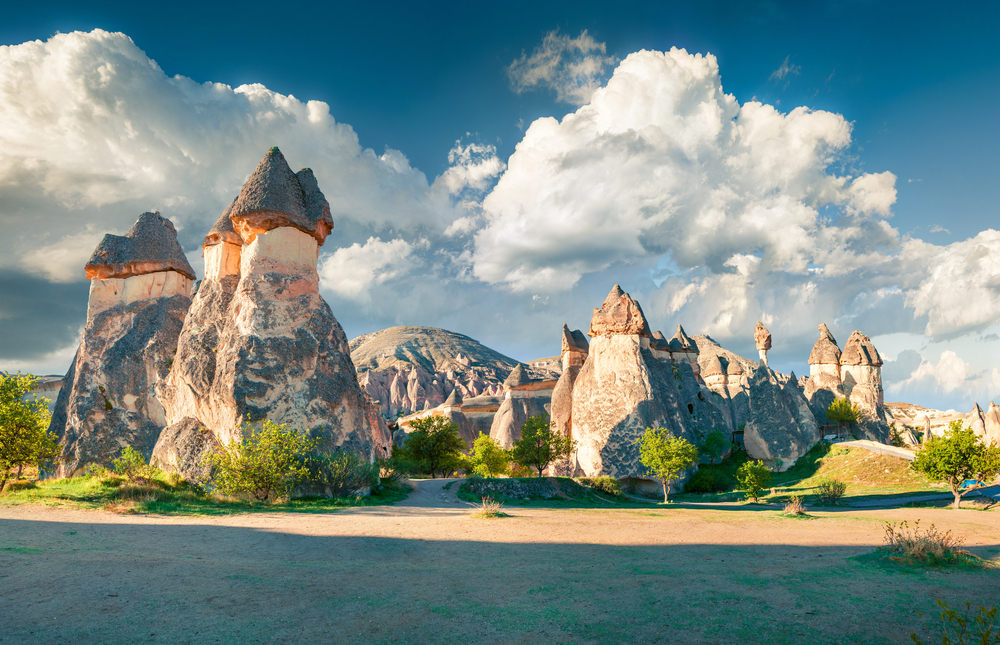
(823, 385)
(575, 349)
(619, 315)
(977, 420)
(781, 427)
(181, 447)
(525, 397)
(729, 380)
(861, 379)
(262, 344)
(762, 338)
(992, 424)
(108, 400)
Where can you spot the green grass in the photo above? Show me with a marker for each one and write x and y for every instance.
(867, 475)
(575, 495)
(165, 497)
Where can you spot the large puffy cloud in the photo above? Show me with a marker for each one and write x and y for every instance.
(93, 132)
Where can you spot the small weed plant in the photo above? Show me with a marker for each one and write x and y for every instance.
(489, 509)
(795, 506)
(925, 547)
(831, 491)
(966, 628)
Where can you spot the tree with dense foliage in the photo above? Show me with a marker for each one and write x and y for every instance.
(713, 446)
(268, 463)
(842, 412)
(24, 423)
(957, 457)
(752, 478)
(540, 445)
(666, 456)
(488, 458)
(434, 445)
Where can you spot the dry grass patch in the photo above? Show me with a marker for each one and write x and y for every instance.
(926, 547)
(795, 507)
(489, 509)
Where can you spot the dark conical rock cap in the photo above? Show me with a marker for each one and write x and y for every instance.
(454, 399)
(712, 366)
(274, 196)
(223, 230)
(859, 350)
(518, 377)
(574, 341)
(825, 351)
(681, 342)
(659, 342)
(149, 246)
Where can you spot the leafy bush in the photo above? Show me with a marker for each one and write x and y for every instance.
(706, 480)
(342, 473)
(928, 547)
(842, 412)
(266, 464)
(132, 466)
(605, 484)
(753, 477)
(831, 491)
(488, 458)
(966, 628)
(713, 446)
(433, 447)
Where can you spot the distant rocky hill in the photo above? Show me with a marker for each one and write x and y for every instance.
(408, 369)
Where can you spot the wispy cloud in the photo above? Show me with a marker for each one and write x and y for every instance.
(573, 67)
(786, 70)
(939, 229)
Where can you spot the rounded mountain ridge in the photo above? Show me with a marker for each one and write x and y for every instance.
(431, 348)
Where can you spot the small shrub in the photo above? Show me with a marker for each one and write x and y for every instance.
(795, 506)
(342, 473)
(132, 466)
(753, 478)
(489, 509)
(390, 472)
(606, 485)
(97, 471)
(966, 628)
(831, 491)
(713, 446)
(925, 547)
(706, 481)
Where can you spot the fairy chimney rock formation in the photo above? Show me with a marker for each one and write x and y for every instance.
(622, 389)
(575, 349)
(525, 397)
(823, 385)
(619, 315)
(992, 423)
(261, 343)
(977, 420)
(781, 427)
(454, 401)
(140, 286)
(682, 348)
(861, 376)
(762, 338)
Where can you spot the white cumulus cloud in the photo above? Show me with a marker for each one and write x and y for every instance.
(352, 271)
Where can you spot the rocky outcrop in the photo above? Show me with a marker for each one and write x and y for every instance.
(451, 409)
(408, 369)
(992, 425)
(727, 375)
(140, 287)
(181, 448)
(524, 397)
(261, 343)
(861, 379)
(762, 339)
(977, 421)
(781, 427)
(622, 389)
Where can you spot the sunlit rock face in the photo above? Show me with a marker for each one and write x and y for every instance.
(727, 375)
(861, 380)
(991, 424)
(622, 389)
(781, 427)
(524, 397)
(140, 292)
(823, 384)
(261, 343)
(574, 354)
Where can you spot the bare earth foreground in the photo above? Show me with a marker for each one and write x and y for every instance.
(424, 571)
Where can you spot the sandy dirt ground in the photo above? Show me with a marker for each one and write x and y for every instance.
(424, 571)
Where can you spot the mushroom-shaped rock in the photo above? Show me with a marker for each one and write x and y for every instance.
(619, 315)
(275, 197)
(761, 337)
(574, 341)
(518, 378)
(150, 246)
(859, 350)
(712, 368)
(825, 351)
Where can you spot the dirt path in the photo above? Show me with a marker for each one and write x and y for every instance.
(424, 571)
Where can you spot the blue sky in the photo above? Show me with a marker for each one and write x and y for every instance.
(916, 84)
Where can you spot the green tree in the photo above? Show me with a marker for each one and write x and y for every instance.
(540, 445)
(24, 422)
(713, 446)
(842, 412)
(752, 478)
(488, 458)
(435, 445)
(268, 463)
(957, 457)
(666, 456)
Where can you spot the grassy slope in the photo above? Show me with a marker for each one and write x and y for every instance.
(163, 497)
